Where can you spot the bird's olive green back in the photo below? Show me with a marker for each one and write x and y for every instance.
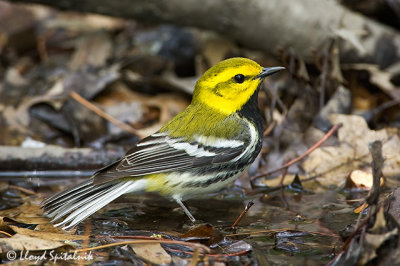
(203, 120)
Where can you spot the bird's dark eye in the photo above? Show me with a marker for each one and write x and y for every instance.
(239, 78)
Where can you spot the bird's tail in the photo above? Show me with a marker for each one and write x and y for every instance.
(81, 201)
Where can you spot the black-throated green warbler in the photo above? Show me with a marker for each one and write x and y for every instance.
(202, 149)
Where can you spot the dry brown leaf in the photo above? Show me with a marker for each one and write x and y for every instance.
(380, 223)
(276, 182)
(185, 84)
(24, 242)
(374, 242)
(168, 104)
(394, 204)
(49, 228)
(353, 37)
(362, 98)
(92, 50)
(46, 235)
(27, 213)
(74, 22)
(363, 179)
(3, 225)
(153, 253)
(18, 117)
(332, 164)
(361, 208)
(16, 27)
(14, 77)
(390, 151)
(203, 232)
(127, 112)
(380, 78)
(216, 48)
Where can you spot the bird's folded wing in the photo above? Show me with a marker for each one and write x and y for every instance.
(160, 153)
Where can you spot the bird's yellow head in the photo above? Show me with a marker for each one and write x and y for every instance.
(228, 85)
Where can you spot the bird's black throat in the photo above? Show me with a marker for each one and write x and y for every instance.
(251, 112)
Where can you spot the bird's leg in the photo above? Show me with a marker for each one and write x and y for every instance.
(186, 210)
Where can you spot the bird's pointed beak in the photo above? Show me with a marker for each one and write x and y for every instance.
(267, 71)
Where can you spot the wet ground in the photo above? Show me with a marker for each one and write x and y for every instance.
(282, 227)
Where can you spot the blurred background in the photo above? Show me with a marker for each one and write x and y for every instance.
(81, 82)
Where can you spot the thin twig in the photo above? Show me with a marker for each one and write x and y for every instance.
(310, 150)
(25, 190)
(272, 231)
(104, 115)
(5, 233)
(285, 203)
(215, 256)
(324, 77)
(164, 241)
(375, 149)
(348, 240)
(127, 237)
(246, 209)
(195, 257)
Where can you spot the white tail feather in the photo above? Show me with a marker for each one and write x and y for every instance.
(83, 208)
(68, 208)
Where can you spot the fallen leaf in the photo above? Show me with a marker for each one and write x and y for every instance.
(27, 213)
(361, 208)
(14, 77)
(363, 179)
(92, 50)
(17, 27)
(380, 223)
(74, 22)
(238, 247)
(153, 253)
(18, 117)
(24, 242)
(185, 84)
(47, 235)
(394, 204)
(353, 37)
(49, 228)
(339, 103)
(203, 232)
(216, 48)
(372, 243)
(276, 182)
(380, 78)
(168, 104)
(332, 164)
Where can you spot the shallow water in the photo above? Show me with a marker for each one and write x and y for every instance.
(282, 227)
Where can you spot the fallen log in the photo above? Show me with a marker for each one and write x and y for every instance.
(264, 25)
(55, 158)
